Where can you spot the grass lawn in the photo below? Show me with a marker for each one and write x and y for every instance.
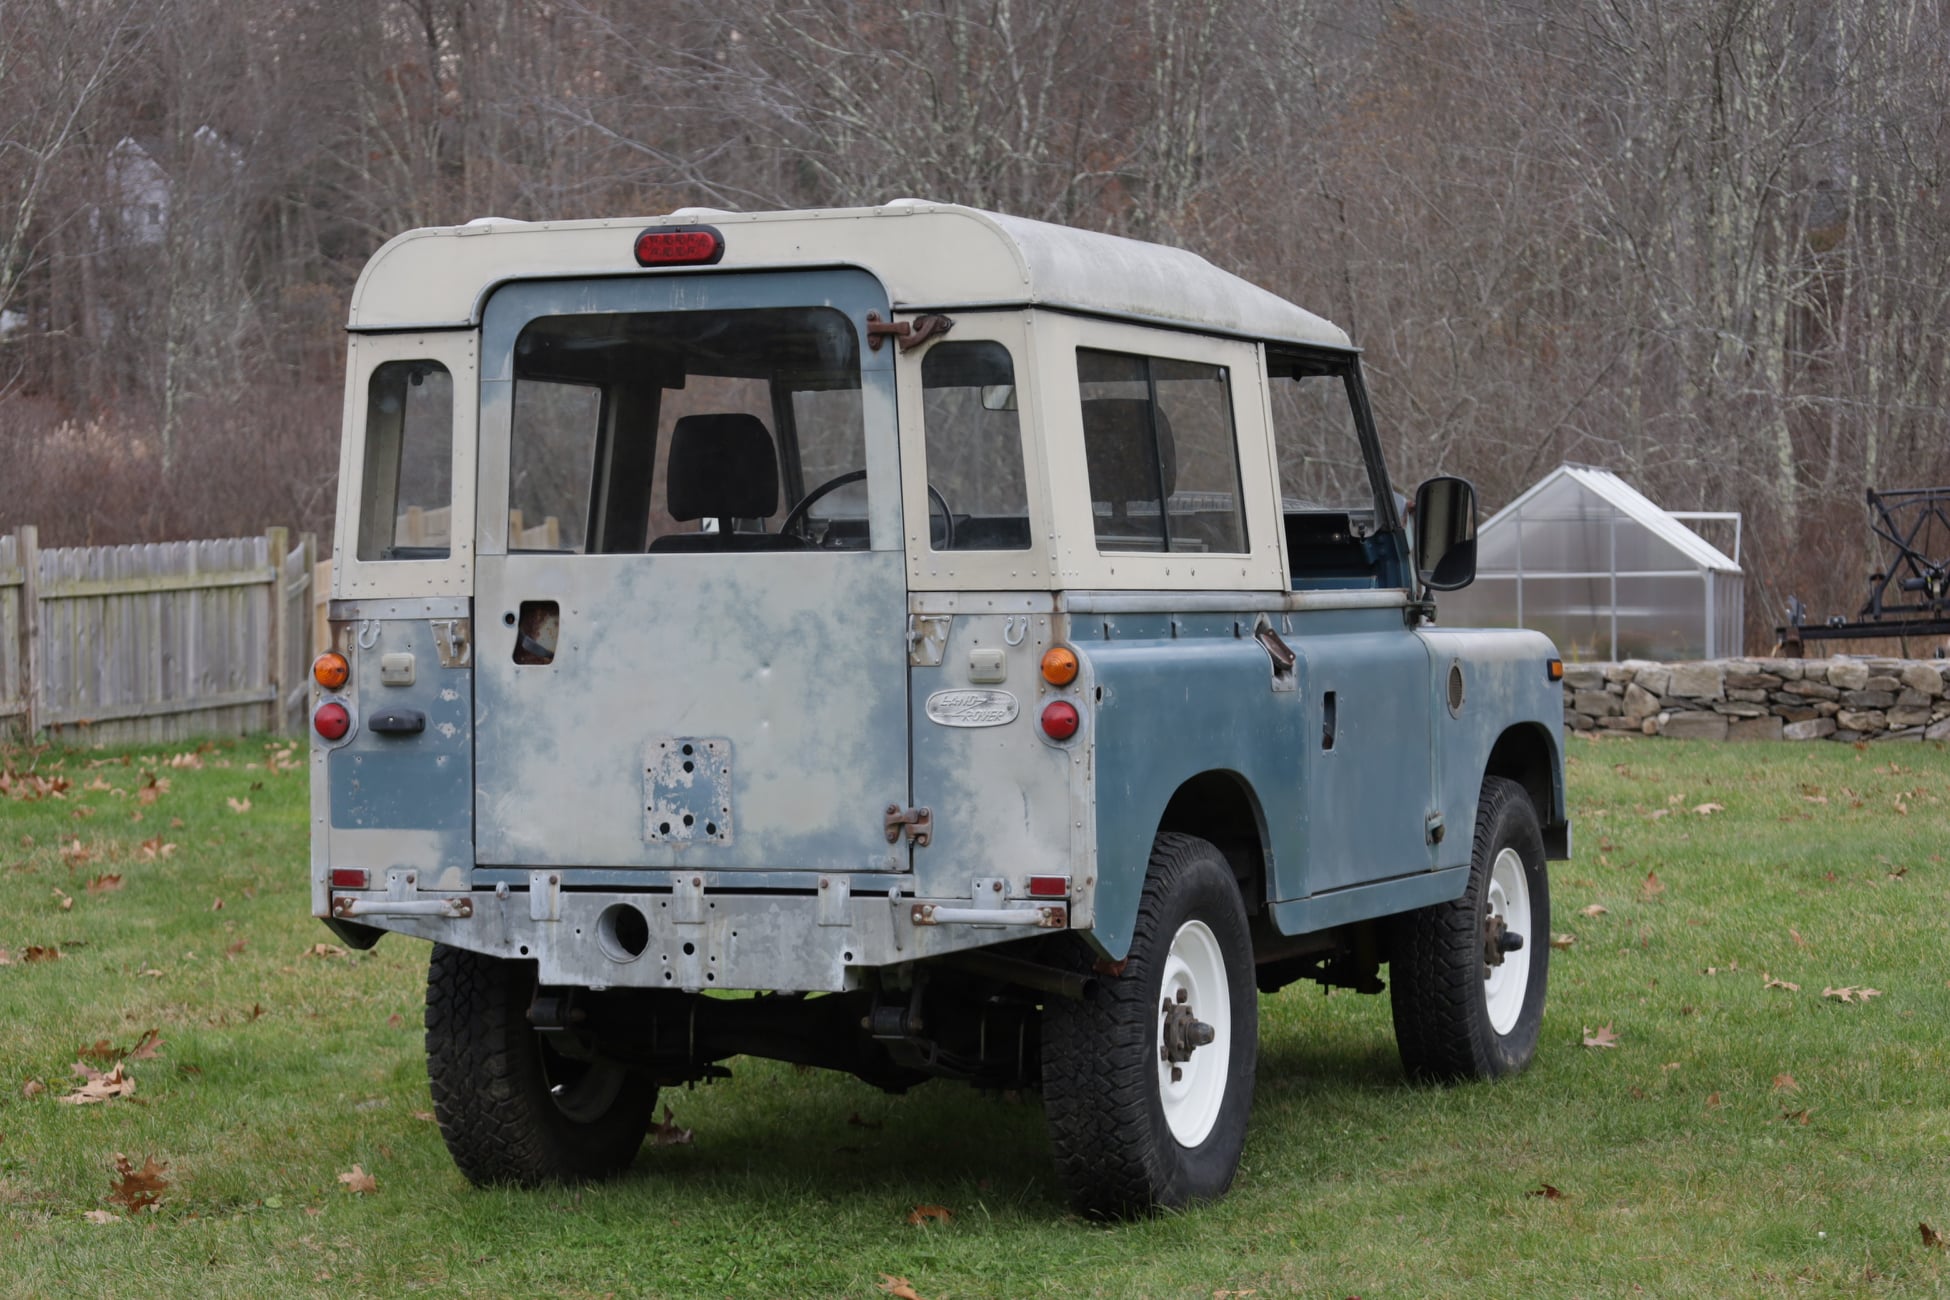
(1738, 1140)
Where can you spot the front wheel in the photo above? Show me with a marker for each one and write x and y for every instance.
(1467, 977)
(1148, 1082)
(511, 1107)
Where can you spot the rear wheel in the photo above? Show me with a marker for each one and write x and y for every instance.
(1467, 978)
(1148, 1083)
(511, 1107)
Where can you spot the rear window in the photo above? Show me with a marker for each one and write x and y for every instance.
(687, 432)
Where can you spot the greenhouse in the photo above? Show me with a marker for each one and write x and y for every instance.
(1605, 573)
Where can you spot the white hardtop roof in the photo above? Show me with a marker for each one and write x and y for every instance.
(928, 255)
(1629, 501)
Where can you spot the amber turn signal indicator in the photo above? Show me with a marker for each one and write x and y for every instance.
(331, 671)
(1059, 665)
(1557, 670)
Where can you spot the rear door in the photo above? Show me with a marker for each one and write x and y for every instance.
(664, 677)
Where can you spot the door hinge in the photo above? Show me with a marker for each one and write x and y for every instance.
(908, 334)
(918, 821)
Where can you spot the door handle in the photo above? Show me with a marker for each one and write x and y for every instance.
(398, 722)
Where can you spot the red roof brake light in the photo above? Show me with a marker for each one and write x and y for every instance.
(679, 246)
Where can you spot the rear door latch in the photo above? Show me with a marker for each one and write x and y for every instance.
(918, 821)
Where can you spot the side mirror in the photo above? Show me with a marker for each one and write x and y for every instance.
(1445, 533)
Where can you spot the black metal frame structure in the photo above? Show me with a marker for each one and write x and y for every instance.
(1911, 597)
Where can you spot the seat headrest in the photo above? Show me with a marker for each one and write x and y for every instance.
(722, 466)
(1117, 446)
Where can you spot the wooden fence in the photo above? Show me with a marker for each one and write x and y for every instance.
(155, 643)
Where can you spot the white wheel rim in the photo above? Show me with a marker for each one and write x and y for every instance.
(1505, 985)
(1195, 965)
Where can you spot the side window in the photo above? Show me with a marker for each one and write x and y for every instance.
(1163, 462)
(551, 468)
(1321, 463)
(406, 501)
(974, 448)
(1328, 493)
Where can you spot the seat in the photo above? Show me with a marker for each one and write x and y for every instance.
(722, 466)
(1117, 446)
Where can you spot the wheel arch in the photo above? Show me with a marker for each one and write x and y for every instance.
(1220, 806)
(1527, 754)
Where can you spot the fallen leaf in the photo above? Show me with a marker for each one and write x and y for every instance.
(103, 1051)
(138, 1189)
(34, 952)
(425, 1116)
(1603, 1038)
(101, 1216)
(98, 1087)
(667, 1134)
(323, 950)
(1708, 809)
(240, 805)
(104, 884)
(358, 1180)
(1795, 1116)
(930, 1213)
(1713, 1101)
(1849, 993)
(1932, 1238)
(148, 1047)
(32, 1088)
(898, 1287)
(1594, 909)
(1223, 1294)
(6, 958)
(1546, 1191)
(1651, 886)
(1785, 1083)
(1563, 941)
(1795, 935)
(217, 906)
(395, 1020)
(236, 948)
(67, 903)
(1769, 982)
(150, 973)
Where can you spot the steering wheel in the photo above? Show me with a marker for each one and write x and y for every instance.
(797, 515)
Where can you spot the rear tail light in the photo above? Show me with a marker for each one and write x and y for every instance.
(1049, 886)
(1060, 720)
(679, 246)
(331, 671)
(1556, 670)
(332, 721)
(350, 878)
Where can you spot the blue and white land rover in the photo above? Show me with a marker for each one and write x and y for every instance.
(997, 646)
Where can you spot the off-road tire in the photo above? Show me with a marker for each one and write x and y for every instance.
(1437, 964)
(1116, 1155)
(491, 1078)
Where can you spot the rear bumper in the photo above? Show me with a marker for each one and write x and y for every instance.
(692, 939)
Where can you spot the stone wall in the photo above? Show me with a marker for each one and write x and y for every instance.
(1763, 699)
